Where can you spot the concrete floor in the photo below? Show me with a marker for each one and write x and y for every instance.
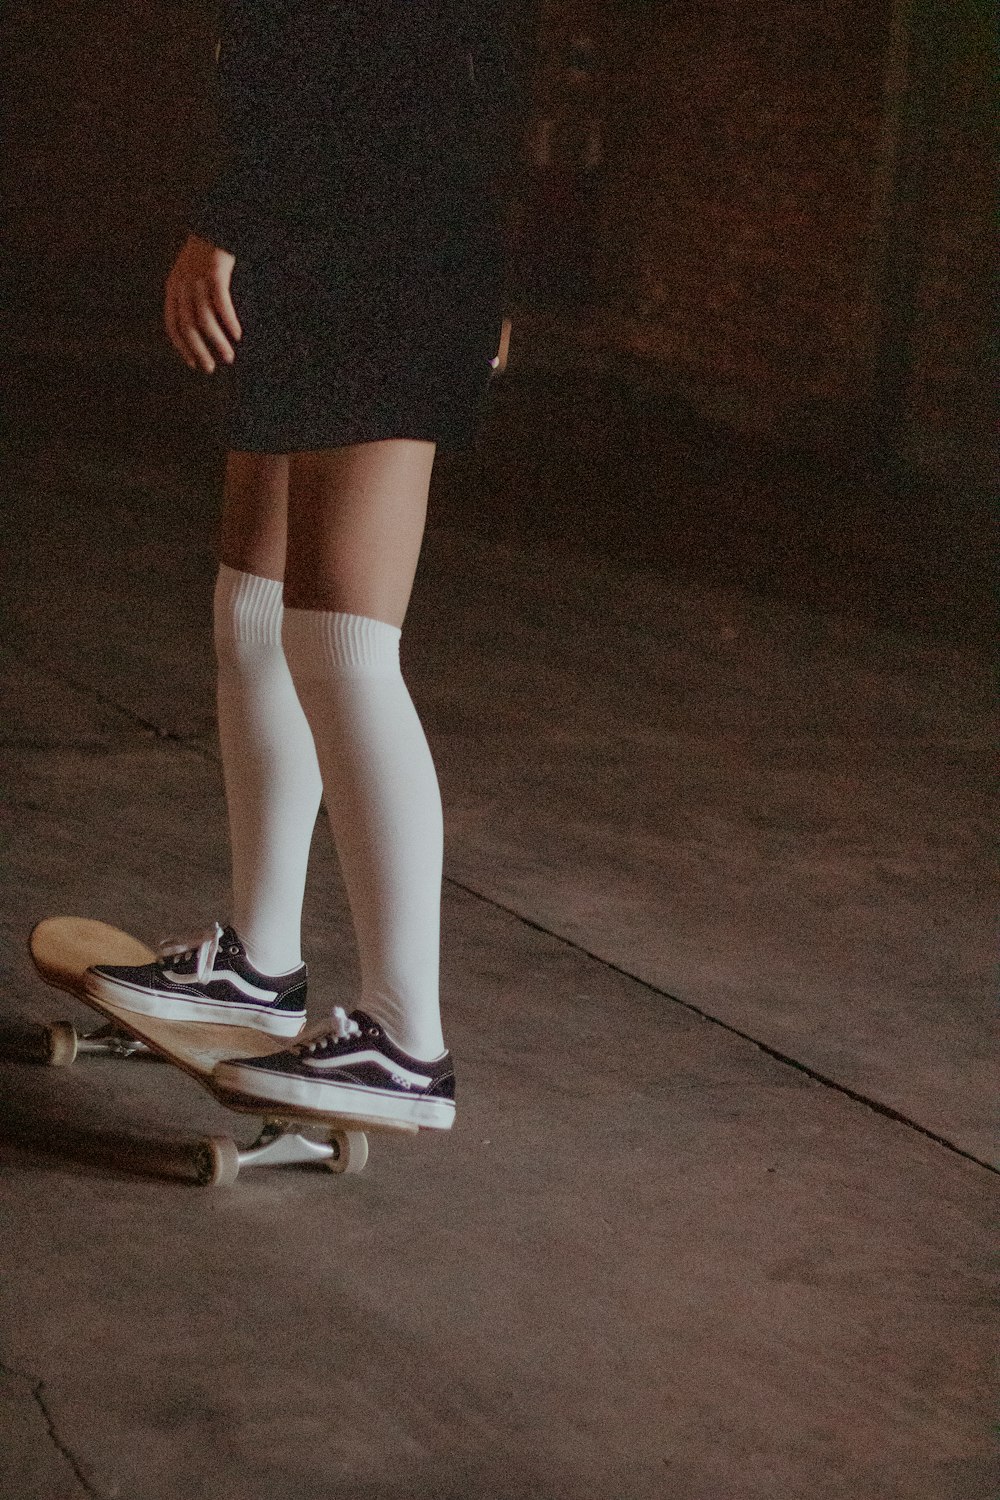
(713, 1222)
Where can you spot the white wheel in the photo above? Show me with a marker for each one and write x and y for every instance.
(350, 1151)
(60, 1040)
(217, 1161)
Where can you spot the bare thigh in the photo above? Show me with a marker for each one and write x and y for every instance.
(343, 526)
(255, 513)
(356, 518)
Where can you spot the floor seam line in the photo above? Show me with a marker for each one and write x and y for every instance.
(36, 1389)
(885, 1110)
(168, 736)
(38, 1393)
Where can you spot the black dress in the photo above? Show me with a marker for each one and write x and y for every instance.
(365, 143)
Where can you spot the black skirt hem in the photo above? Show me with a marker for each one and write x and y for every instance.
(449, 435)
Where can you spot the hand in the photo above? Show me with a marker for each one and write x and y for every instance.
(198, 311)
(499, 361)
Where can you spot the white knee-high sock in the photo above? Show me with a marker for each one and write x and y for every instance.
(270, 769)
(384, 803)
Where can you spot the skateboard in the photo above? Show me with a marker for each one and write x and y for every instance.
(63, 948)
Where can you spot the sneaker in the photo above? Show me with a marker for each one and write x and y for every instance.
(347, 1067)
(206, 979)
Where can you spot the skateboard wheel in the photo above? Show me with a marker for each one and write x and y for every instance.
(60, 1043)
(350, 1151)
(217, 1161)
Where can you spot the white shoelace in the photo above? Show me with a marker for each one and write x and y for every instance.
(205, 944)
(338, 1025)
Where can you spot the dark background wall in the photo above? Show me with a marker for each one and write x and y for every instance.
(792, 211)
(950, 396)
(111, 127)
(779, 207)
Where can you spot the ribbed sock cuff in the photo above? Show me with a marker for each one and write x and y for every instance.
(248, 608)
(328, 638)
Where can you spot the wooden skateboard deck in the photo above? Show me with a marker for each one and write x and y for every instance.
(63, 948)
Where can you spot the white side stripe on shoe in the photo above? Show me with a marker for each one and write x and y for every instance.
(236, 980)
(397, 1071)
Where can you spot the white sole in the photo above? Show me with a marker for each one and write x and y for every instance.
(332, 1098)
(168, 1008)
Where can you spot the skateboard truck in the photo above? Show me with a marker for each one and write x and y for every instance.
(218, 1159)
(60, 1044)
(103, 1041)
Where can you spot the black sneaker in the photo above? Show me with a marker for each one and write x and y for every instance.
(206, 979)
(347, 1067)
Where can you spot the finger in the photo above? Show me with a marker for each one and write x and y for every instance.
(503, 352)
(223, 303)
(192, 338)
(171, 324)
(208, 323)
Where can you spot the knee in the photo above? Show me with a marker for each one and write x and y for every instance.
(247, 611)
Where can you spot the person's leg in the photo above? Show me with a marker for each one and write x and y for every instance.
(254, 526)
(356, 520)
(355, 526)
(249, 973)
(270, 770)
